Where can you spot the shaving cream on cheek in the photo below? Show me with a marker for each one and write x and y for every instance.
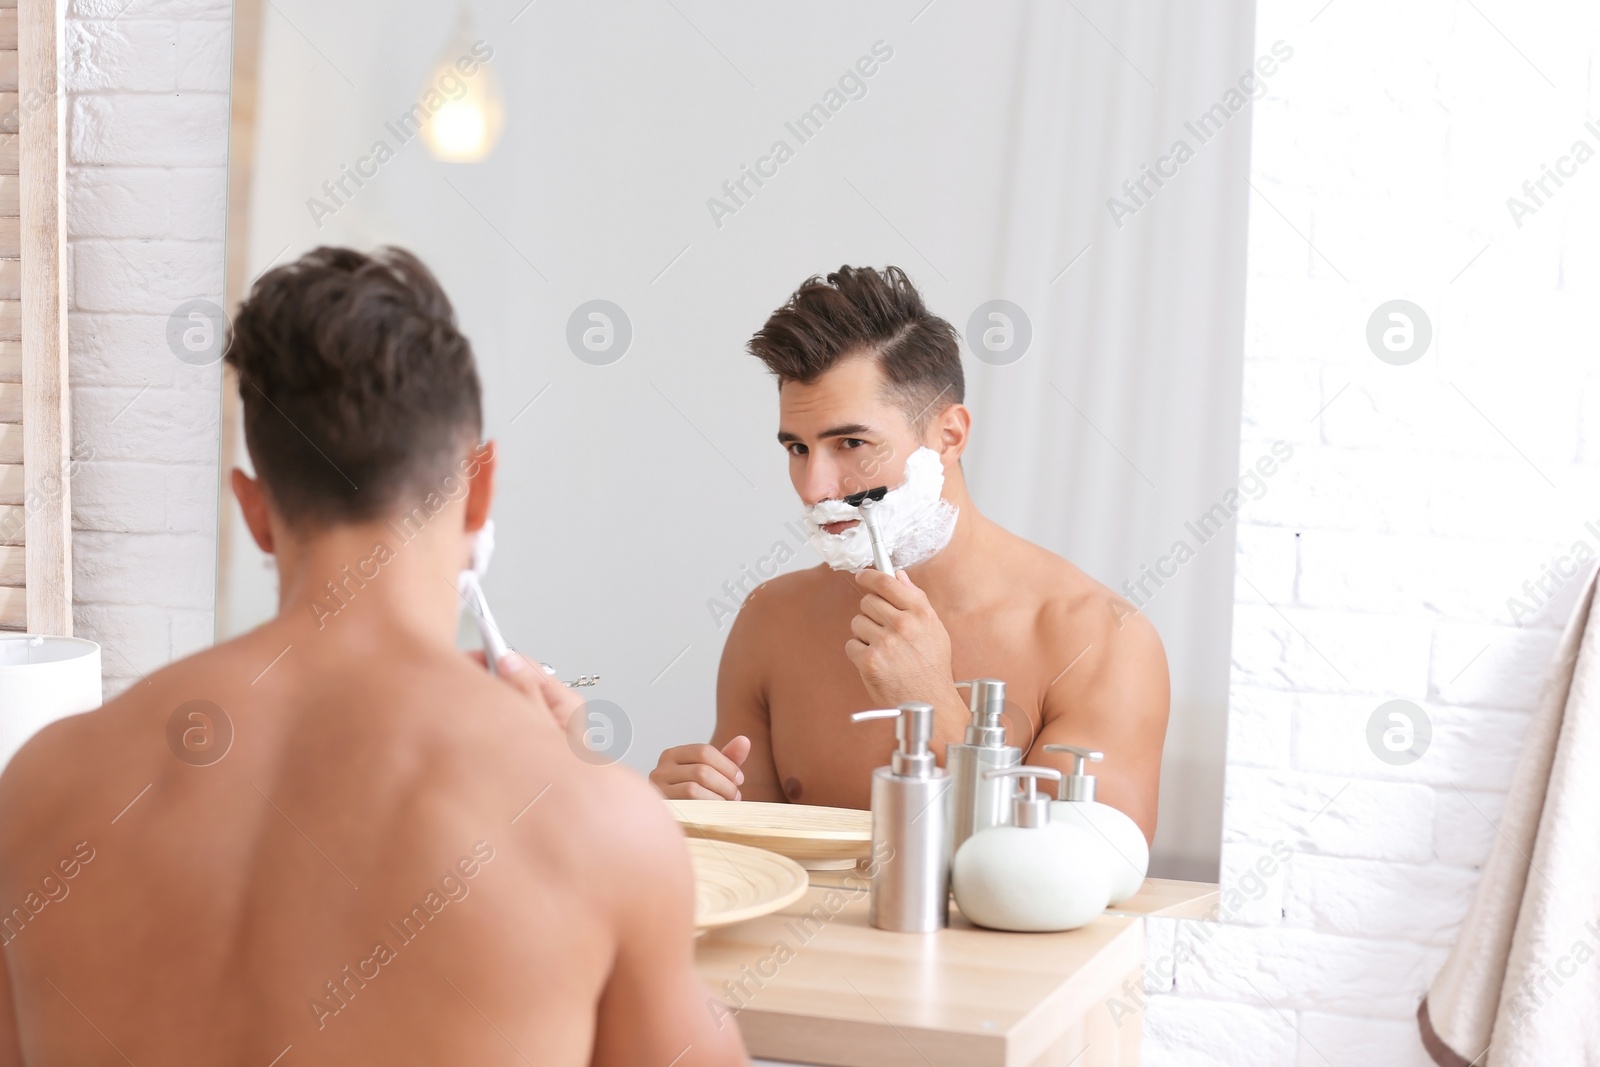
(915, 520)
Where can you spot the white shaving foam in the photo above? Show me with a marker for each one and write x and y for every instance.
(915, 521)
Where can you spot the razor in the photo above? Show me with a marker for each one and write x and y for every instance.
(864, 501)
(469, 586)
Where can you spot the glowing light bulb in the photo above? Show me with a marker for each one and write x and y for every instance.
(462, 96)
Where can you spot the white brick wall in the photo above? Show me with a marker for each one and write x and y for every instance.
(147, 135)
(1420, 498)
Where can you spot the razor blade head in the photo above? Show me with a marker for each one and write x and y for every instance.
(855, 500)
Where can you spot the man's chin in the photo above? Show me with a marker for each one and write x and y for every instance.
(841, 560)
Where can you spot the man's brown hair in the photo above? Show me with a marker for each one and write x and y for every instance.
(356, 385)
(861, 311)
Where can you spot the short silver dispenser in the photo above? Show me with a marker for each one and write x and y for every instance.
(910, 828)
(1030, 808)
(1078, 786)
(979, 800)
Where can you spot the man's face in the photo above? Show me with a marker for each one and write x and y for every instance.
(843, 435)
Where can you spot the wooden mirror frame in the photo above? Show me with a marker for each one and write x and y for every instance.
(35, 484)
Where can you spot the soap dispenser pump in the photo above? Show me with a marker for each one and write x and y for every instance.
(910, 828)
(979, 802)
(1127, 852)
(1033, 875)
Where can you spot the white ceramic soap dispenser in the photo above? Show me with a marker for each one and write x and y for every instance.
(1033, 875)
(1127, 852)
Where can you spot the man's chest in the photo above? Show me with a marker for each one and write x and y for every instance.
(821, 757)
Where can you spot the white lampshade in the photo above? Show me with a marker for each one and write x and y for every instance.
(43, 679)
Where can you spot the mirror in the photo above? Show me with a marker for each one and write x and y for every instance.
(617, 196)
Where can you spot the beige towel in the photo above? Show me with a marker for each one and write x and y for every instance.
(1521, 987)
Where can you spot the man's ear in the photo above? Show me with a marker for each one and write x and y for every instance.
(479, 472)
(253, 503)
(949, 432)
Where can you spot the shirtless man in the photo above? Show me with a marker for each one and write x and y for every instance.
(867, 379)
(337, 839)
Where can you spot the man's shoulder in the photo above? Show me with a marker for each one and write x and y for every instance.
(789, 594)
(1060, 586)
(105, 729)
(797, 585)
(614, 826)
(1073, 608)
(61, 772)
(630, 810)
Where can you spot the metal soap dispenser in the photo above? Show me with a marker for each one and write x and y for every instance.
(978, 801)
(910, 828)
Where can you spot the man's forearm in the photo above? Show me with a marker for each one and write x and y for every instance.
(950, 718)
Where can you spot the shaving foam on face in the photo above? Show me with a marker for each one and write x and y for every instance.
(916, 522)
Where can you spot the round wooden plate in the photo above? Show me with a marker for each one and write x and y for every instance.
(813, 836)
(733, 883)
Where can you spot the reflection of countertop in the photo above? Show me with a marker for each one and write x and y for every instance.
(815, 984)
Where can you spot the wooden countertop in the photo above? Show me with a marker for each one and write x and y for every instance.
(815, 983)
(1169, 898)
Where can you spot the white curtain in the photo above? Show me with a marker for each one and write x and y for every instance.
(1126, 425)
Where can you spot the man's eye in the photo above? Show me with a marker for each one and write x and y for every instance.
(795, 448)
(853, 442)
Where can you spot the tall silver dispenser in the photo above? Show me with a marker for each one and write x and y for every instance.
(978, 800)
(910, 828)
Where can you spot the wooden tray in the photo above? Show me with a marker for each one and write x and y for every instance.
(812, 836)
(733, 883)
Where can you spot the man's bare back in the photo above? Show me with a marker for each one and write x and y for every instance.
(337, 839)
(396, 861)
(1079, 666)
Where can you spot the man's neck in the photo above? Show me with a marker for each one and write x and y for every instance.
(370, 581)
(949, 574)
